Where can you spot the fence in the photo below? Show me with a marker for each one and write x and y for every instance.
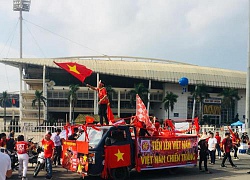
(30, 130)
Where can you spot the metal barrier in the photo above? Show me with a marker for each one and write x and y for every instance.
(30, 130)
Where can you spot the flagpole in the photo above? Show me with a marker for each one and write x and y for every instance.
(70, 110)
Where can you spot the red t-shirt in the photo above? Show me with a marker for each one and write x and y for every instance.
(101, 93)
(21, 147)
(3, 143)
(48, 147)
(218, 139)
(227, 143)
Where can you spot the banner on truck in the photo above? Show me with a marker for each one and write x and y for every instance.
(155, 152)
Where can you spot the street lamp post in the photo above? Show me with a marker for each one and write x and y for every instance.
(21, 5)
(247, 117)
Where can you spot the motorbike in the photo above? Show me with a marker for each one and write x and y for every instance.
(33, 154)
(13, 158)
(40, 162)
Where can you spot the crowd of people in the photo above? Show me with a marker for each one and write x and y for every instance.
(52, 148)
(208, 145)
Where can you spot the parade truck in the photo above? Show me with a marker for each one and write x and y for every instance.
(114, 151)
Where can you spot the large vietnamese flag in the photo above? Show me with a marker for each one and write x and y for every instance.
(117, 156)
(77, 70)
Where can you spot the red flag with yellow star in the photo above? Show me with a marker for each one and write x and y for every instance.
(118, 156)
(77, 70)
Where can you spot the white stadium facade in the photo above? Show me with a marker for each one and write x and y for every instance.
(122, 73)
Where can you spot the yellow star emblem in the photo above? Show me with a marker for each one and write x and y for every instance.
(119, 155)
(45, 146)
(73, 69)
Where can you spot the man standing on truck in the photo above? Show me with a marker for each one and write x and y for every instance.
(103, 101)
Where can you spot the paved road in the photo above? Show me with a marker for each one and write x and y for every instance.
(187, 173)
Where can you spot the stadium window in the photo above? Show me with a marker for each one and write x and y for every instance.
(176, 114)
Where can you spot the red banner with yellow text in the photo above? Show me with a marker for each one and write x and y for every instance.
(69, 156)
(157, 152)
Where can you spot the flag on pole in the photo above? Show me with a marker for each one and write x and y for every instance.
(110, 114)
(197, 126)
(77, 70)
(142, 113)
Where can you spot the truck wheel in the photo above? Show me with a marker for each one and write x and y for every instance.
(120, 173)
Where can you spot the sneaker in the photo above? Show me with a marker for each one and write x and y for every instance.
(24, 178)
(20, 176)
(223, 166)
(47, 177)
(234, 166)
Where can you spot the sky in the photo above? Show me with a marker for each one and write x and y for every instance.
(208, 33)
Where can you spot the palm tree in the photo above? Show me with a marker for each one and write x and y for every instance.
(230, 95)
(72, 96)
(110, 92)
(3, 101)
(141, 90)
(199, 94)
(40, 99)
(169, 100)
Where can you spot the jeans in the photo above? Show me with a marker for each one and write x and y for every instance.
(235, 151)
(103, 113)
(49, 167)
(218, 150)
(58, 155)
(227, 156)
(212, 155)
(203, 157)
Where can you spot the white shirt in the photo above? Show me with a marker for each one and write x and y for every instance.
(57, 140)
(5, 165)
(212, 143)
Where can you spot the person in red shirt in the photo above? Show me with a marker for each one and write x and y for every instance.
(48, 147)
(103, 101)
(3, 141)
(236, 145)
(227, 146)
(217, 136)
(23, 158)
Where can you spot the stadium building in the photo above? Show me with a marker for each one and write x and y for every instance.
(122, 73)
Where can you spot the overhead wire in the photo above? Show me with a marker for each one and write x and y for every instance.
(9, 36)
(13, 35)
(35, 41)
(72, 41)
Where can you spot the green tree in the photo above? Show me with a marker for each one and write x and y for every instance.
(141, 90)
(110, 92)
(199, 94)
(169, 100)
(230, 96)
(72, 97)
(39, 98)
(3, 101)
